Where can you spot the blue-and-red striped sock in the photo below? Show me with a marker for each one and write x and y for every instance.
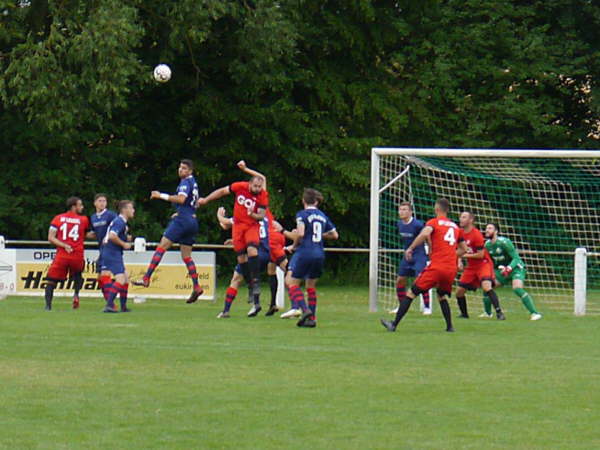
(229, 298)
(110, 292)
(123, 290)
(312, 301)
(154, 262)
(426, 299)
(191, 267)
(400, 292)
(297, 298)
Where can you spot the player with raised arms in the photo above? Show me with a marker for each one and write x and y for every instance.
(115, 241)
(182, 228)
(67, 232)
(509, 268)
(446, 245)
(250, 206)
(99, 222)
(312, 226)
(409, 228)
(479, 270)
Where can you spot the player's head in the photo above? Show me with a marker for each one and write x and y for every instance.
(466, 219)
(186, 168)
(278, 227)
(405, 210)
(100, 201)
(311, 197)
(126, 209)
(442, 206)
(255, 185)
(492, 230)
(75, 204)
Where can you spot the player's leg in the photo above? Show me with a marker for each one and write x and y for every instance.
(57, 272)
(469, 281)
(164, 244)
(273, 285)
(252, 238)
(311, 291)
(418, 265)
(186, 256)
(461, 300)
(231, 292)
(445, 307)
(122, 286)
(49, 292)
(526, 299)
(401, 282)
(75, 270)
(486, 277)
(294, 310)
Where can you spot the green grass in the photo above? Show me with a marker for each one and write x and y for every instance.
(171, 375)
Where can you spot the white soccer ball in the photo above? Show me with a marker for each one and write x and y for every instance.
(162, 73)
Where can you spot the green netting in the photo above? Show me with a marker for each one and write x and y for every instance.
(547, 207)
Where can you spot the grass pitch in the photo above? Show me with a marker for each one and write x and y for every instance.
(171, 375)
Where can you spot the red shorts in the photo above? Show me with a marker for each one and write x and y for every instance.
(63, 266)
(431, 277)
(471, 279)
(243, 235)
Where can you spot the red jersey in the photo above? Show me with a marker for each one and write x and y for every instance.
(444, 241)
(71, 229)
(475, 242)
(244, 200)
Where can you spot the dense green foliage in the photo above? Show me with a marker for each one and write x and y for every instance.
(300, 89)
(171, 375)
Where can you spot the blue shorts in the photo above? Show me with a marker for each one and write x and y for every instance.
(182, 230)
(263, 260)
(99, 260)
(412, 268)
(113, 263)
(307, 266)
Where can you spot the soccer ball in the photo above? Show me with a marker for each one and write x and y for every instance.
(162, 73)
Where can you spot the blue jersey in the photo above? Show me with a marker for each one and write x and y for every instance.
(408, 232)
(263, 232)
(100, 222)
(189, 188)
(316, 223)
(118, 227)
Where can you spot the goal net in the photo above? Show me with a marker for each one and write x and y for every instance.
(546, 201)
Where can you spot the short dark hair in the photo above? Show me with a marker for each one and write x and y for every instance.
(100, 195)
(123, 204)
(312, 196)
(470, 213)
(187, 162)
(443, 203)
(495, 225)
(406, 204)
(72, 201)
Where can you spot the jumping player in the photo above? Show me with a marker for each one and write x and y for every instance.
(312, 227)
(115, 241)
(446, 245)
(67, 232)
(250, 206)
(479, 270)
(182, 228)
(409, 228)
(99, 222)
(509, 268)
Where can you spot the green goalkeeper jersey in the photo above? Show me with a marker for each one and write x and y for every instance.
(503, 253)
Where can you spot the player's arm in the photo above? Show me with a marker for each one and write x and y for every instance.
(225, 222)
(254, 173)
(515, 259)
(331, 235)
(291, 235)
(259, 214)
(422, 237)
(115, 239)
(56, 242)
(479, 254)
(178, 199)
(90, 234)
(214, 195)
(462, 249)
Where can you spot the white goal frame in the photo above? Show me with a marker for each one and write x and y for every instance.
(580, 255)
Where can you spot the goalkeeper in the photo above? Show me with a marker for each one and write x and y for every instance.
(508, 267)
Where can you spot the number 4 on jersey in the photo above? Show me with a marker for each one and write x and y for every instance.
(449, 237)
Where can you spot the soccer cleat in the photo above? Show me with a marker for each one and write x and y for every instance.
(194, 295)
(308, 323)
(254, 310)
(463, 316)
(394, 311)
(485, 315)
(223, 315)
(108, 309)
(291, 313)
(535, 316)
(306, 315)
(388, 325)
(126, 309)
(75, 302)
(500, 316)
(272, 310)
(426, 311)
(450, 329)
(145, 282)
(47, 308)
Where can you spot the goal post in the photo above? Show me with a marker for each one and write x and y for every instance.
(546, 201)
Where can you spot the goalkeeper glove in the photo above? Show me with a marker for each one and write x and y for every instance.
(506, 271)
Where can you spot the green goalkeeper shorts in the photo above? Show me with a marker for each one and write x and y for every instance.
(517, 274)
